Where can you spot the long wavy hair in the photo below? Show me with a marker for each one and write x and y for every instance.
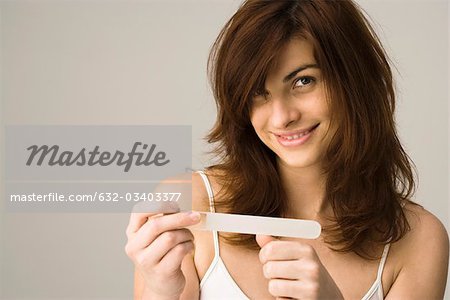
(369, 174)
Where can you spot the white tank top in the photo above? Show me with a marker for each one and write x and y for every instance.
(218, 284)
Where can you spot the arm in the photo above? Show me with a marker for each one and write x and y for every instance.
(423, 272)
(191, 289)
(138, 285)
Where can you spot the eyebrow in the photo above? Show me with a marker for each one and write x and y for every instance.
(299, 69)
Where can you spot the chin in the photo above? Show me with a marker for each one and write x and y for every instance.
(298, 162)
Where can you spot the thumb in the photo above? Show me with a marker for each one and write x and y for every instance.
(262, 240)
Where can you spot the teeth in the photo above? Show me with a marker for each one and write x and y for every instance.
(296, 136)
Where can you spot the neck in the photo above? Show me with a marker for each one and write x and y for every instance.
(305, 191)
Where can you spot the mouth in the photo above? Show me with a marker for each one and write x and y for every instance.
(295, 138)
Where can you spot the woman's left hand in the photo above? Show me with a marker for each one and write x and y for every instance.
(294, 270)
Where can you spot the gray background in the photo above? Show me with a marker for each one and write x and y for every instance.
(144, 62)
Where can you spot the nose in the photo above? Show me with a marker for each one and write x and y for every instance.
(283, 113)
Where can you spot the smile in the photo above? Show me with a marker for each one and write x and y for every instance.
(295, 138)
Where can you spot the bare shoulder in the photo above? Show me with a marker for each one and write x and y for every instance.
(426, 229)
(200, 198)
(422, 257)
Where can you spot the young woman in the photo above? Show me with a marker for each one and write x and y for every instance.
(305, 130)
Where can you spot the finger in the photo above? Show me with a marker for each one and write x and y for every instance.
(156, 207)
(285, 288)
(165, 242)
(136, 222)
(173, 259)
(285, 250)
(155, 226)
(290, 269)
(262, 240)
(144, 210)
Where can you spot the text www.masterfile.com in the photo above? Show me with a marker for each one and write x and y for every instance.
(94, 197)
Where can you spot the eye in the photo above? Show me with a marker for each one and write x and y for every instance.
(260, 92)
(259, 97)
(304, 81)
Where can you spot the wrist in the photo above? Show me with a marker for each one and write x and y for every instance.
(150, 295)
(159, 297)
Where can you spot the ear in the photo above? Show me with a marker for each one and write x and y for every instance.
(262, 240)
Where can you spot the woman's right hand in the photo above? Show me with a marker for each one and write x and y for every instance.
(157, 245)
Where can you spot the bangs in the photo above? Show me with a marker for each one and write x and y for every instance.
(264, 57)
(252, 47)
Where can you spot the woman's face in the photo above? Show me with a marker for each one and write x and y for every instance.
(292, 117)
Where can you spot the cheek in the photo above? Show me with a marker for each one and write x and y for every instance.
(257, 120)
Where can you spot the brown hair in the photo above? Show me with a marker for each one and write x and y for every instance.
(368, 172)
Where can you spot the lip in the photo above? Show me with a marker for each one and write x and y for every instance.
(282, 138)
(295, 132)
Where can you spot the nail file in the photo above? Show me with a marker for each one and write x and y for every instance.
(306, 229)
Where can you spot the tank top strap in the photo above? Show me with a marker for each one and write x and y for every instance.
(208, 190)
(386, 251)
(211, 208)
(383, 261)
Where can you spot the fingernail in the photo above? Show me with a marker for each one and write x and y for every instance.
(194, 215)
